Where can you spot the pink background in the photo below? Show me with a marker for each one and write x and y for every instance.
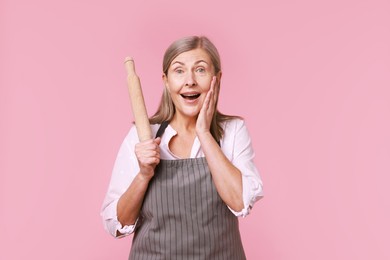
(311, 79)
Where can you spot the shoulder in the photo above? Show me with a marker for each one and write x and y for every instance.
(130, 139)
(132, 136)
(236, 134)
(233, 126)
(236, 142)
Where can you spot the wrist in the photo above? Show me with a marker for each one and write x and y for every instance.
(145, 178)
(202, 135)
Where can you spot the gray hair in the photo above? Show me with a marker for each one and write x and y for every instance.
(166, 109)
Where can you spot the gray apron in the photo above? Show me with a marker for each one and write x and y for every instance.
(183, 217)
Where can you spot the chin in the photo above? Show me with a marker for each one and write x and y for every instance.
(195, 114)
(191, 113)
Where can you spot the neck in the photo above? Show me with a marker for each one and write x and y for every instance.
(183, 124)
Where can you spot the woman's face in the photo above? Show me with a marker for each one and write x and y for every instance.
(188, 81)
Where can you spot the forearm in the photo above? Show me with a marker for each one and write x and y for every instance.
(227, 178)
(130, 203)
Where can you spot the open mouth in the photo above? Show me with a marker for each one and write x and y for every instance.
(190, 96)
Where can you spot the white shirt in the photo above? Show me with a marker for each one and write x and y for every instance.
(235, 144)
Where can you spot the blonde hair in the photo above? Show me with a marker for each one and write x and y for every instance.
(166, 109)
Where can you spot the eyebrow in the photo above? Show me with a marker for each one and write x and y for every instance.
(199, 61)
(181, 63)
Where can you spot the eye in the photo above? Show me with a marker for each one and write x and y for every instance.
(179, 71)
(200, 69)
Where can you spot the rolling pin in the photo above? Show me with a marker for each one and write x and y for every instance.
(137, 102)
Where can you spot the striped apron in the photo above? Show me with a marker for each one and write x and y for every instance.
(183, 217)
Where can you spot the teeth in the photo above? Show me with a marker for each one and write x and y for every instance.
(190, 96)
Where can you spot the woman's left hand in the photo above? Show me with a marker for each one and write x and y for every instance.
(206, 113)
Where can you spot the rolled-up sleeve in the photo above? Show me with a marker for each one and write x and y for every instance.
(239, 148)
(125, 169)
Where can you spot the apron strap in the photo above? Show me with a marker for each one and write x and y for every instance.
(162, 128)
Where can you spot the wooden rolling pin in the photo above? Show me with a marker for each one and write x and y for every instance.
(137, 102)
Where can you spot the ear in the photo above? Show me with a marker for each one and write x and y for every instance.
(165, 80)
(219, 76)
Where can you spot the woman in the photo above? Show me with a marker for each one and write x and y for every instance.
(182, 191)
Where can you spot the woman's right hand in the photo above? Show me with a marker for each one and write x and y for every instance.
(148, 156)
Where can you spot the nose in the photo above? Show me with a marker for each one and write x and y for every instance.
(190, 80)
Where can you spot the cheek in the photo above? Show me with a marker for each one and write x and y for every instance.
(205, 84)
(174, 83)
(170, 88)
